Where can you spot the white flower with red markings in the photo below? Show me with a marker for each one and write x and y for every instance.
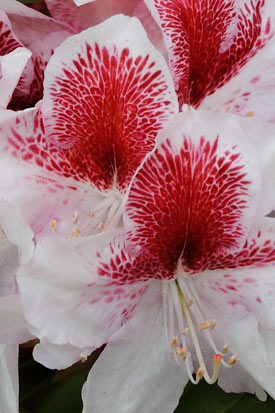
(189, 278)
(107, 93)
(221, 53)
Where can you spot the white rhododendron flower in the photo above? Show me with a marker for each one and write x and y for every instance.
(192, 268)
(104, 102)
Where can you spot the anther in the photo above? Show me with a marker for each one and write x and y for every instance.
(100, 226)
(232, 360)
(91, 214)
(75, 216)
(174, 341)
(53, 225)
(182, 352)
(225, 349)
(250, 114)
(204, 325)
(83, 358)
(200, 372)
(213, 324)
(75, 233)
(185, 331)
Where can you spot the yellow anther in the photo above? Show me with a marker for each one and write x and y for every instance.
(174, 341)
(200, 372)
(53, 225)
(75, 216)
(181, 351)
(83, 358)
(91, 214)
(250, 114)
(204, 325)
(225, 349)
(232, 360)
(75, 233)
(185, 331)
(213, 324)
(100, 226)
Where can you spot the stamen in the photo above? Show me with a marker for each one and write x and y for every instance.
(232, 360)
(217, 358)
(250, 114)
(185, 331)
(53, 225)
(225, 349)
(75, 233)
(198, 313)
(174, 341)
(200, 373)
(204, 325)
(213, 324)
(182, 352)
(100, 226)
(91, 214)
(83, 358)
(75, 216)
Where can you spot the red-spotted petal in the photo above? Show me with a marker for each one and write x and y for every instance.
(258, 251)
(210, 41)
(107, 94)
(196, 194)
(38, 177)
(72, 304)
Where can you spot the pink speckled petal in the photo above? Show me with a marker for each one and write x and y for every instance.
(39, 179)
(72, 304)
(197, 192)
(101, 92)
(258, 250)
(210, 42)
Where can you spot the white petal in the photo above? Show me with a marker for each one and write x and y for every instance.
(8, 265)
(16, 230)
(72, 303)
(241, 319)
(12, 66)
(137, 371)
(81, 2)
(9, 378)
(55, 356)
(13, 326)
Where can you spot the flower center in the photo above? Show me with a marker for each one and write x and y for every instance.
(104, 215)
(181, 306)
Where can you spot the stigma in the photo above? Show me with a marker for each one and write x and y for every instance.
(185, 323)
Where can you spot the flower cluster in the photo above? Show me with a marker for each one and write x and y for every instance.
(137, 147)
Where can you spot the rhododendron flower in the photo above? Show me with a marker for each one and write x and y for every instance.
(70, 164)
(192, 269)
(221, 53)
